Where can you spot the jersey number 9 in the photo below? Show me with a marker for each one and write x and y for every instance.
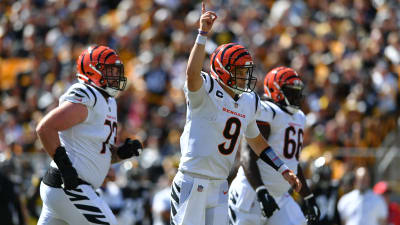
(232, 136)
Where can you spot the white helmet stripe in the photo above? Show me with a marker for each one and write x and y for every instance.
(223, 67)
(279, 88)
(268, 93)
(94, 68)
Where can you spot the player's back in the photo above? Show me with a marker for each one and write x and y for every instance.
(286, 138)
(213, 129)
(87, 143)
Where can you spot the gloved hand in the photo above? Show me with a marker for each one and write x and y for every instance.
(267, 202)
(311, 210)
(129, 148)
(69, 176)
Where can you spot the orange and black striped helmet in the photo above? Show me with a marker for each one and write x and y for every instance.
(101, 66)
(284, 86)
(231, 63)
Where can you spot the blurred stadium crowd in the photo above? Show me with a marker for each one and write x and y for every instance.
(347, 52)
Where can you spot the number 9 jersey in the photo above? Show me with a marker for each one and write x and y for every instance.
(87, 143)
(215, 123)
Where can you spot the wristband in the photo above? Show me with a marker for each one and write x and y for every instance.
(283, 169)
(61, 159)
(269, 156)
(201, 40)
(262, 187)
(203, 33)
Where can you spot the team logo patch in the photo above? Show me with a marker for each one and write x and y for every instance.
(200, 188)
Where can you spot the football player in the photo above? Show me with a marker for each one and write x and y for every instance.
(257, 189)
(80, 136)
(221, 107)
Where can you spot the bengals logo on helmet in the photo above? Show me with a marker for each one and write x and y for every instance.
(232, 65)
(101, 66)
(284, 86)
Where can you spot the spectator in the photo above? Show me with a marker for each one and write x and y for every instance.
(382, 188)
(347, 51)
(361, 206)
(326, 192)
(10, 208)
(161, 206)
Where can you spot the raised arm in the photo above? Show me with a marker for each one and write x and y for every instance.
(197, 55)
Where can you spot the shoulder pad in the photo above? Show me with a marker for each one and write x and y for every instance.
(80, 93)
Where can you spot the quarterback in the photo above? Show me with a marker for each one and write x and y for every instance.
(221, 108)
(80, 135)
(257, 189)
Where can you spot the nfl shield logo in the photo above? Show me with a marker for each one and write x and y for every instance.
(200, 188)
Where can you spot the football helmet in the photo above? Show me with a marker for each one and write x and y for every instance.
(101, 66)
(231, 64)
(284, 86)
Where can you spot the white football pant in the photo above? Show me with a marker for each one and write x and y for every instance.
(198, 201)
(245, 210)
(78, 206)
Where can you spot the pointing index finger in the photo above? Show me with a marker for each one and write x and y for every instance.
(203, 8)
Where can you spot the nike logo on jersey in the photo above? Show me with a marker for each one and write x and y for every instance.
(232, 112)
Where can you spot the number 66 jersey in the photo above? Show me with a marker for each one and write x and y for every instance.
(215, 123)
(285, 135)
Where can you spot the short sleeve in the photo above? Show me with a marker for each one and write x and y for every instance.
(82, 94)
(267, 112)
(341, 207)
(79, 93)
(381, 207)
(195, 98)
(252, 130)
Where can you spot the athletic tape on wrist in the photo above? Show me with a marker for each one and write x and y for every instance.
(282, 169)
(201, 40)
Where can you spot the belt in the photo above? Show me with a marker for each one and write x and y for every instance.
(53, 179)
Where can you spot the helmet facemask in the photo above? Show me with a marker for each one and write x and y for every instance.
(293, 95)
(113, 79)
(242, 78)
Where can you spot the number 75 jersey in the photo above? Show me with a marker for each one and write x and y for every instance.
(88, 143)
(215, 123)
(286, 138)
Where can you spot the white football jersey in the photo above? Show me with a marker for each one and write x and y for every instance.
(214, 126)
(286, 138)
(87, 144)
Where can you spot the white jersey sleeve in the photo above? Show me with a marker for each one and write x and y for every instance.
(195, 98)
(82, 94)
(252, 129)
